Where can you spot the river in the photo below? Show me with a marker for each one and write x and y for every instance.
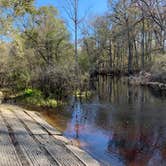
(120, 125)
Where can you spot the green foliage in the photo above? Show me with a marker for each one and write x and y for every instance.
(28, 92)
(40, 56)
(41, 102)
(83, 94)
(159, 64)
(19, 7)
(32, 93)
(35, 97)
(52, 103)
(124, 39)
(84, 63)
(37, 51)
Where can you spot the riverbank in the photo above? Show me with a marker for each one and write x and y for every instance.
(156, 82)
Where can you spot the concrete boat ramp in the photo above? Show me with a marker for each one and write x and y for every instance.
(27, 140)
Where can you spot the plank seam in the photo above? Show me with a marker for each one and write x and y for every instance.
(49, 133)
(15, 143)
(47, 153)
(64, 145)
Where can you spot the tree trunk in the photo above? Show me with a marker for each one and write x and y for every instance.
(76, 41)
(142, 43)
(110, 55)
(129, 51)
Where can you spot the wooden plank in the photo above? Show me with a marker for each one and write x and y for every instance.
(43, 123)
(59, 151)
(83, 156)
(30, 148)
(36, 128)
(8, 153)
(63, 139)
(47, 127)
(54, 146)
(32, 125)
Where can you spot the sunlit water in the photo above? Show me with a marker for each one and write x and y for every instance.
(121, 124)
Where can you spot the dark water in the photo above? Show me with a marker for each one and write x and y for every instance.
(121, 124)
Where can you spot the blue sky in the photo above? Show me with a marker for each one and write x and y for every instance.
(92, 7)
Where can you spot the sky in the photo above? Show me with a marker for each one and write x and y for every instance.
(92, 7)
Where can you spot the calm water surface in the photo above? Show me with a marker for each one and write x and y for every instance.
(120, 125)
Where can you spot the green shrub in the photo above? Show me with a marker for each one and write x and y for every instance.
(28, 92)
(52, 103)
(32, 92)
(35, 97)
(159, 64)
(158, 68)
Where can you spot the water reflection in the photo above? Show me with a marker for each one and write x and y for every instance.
(121, 124)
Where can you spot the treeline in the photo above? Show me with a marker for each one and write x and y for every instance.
(36, 51)
(126, 39)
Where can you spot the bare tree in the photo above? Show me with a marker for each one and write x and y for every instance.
(155, 11)
(71, 9)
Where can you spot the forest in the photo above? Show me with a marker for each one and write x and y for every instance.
(38, 55)
(98, 81)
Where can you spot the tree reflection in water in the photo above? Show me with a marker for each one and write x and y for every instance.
(121, 124)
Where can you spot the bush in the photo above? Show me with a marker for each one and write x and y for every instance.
(159, 64)
(28, 92)
(52, 103)
(158, 68)
(32, 92)
(35, 97)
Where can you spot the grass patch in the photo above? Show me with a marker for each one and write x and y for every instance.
(36, 98)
